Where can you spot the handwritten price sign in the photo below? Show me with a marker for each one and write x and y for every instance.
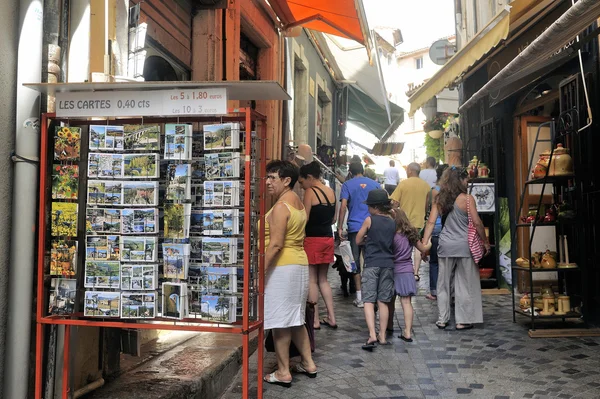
(211, 101)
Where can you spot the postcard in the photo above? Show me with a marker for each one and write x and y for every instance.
(219, 309)
(220, 251)
(104, 192)
(138, 249)
(177, 221)
(103, 165)
(195, 249)
(142, 137)
(101, 274)
(217, 280)
(219, 222)
(178, 182)
(138, 305)
(198, 170)
(221, 193)
(102, 303)
(140, 193)
(175, 260)
(62, 296)
(139, 277)
(102, 248)
(222, 136)
(104, 137)
(178, 141)
(102, 220)
(174, 298)
(64, 219)
(139, 221)
(137, 166)
(63, 257)
(67, 143)
(65, 181)
(195, 275)
(197, 144)
(223, 165)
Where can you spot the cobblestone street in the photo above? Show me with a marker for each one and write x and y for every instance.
(497, 360)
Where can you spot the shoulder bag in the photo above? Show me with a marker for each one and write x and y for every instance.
(476, 245)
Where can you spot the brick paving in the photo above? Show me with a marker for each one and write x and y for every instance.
(497, 360)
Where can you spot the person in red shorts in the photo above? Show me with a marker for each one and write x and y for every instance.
(319, 201)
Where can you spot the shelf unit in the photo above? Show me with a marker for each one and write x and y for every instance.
(559, 191)
(485, 149)
(253, 259)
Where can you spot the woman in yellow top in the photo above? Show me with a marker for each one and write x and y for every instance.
(286, 284)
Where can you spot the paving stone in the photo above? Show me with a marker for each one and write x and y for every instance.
(495, 361)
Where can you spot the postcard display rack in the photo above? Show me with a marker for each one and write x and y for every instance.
(152, 224)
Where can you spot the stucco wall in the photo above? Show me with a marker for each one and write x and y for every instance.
(9, 14)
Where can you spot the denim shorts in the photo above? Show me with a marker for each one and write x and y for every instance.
(377, 284)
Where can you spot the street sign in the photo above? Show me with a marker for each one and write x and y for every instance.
(441, 51)
(172, 102)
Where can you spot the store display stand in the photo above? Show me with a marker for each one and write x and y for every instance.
(255, 170)
(559, 185)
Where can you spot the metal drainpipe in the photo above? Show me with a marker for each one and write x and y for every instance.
(20, 286)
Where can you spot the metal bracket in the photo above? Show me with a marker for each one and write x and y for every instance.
(17, 158)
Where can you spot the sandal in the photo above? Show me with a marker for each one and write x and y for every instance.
(403, 338)
(369, 346)
(298, 368)
(325, 322)
(272, 379)
(383, 343)
(441, 325)
(464, 327)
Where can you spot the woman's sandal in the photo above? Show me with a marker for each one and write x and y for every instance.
(405, 339)
(298, 368)
(272, 379)
(369, 346)
(383, 343)
(464, 327)
(325, 322)
(441, 325)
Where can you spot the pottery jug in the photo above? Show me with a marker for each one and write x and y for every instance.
(472, 168)
(548, 261)
(483, 170)
(562, 163)
(539, 170)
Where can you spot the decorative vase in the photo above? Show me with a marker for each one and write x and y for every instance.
(435, 134)
(483, 170)
(472, 168)
(562, 163)
(540, 168)
(548, 261)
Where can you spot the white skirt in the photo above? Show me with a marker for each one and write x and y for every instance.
(286, 289)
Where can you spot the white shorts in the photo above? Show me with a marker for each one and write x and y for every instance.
(286, 289)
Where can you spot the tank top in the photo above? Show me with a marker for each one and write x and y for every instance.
(379, 247)
(321, 217)
(402, 254)
(292, 252)
(453, 238)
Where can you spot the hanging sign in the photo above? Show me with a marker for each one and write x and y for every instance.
(174, 102)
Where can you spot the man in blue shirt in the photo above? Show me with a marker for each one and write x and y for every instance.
(354, 194)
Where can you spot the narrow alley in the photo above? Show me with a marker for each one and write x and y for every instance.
(497, 361)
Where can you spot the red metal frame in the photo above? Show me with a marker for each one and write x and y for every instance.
(244, 329)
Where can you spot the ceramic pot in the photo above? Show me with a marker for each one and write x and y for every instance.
(548, 261)
(483, 170)
(472, 168)
(435, 134)
(539, 170)
(562, 163)
(525, 301)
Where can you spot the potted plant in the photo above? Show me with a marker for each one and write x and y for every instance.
(435, 127)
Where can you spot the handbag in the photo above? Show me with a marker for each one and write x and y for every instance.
(347, 257)
(309, 315)
(427, 212)
(476, 245)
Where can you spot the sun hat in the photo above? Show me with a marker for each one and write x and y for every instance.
(377, 197)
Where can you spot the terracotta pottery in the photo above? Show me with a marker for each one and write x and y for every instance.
(472, 168)
(483, 170)
(563, 305)
(548, 261)
(453, 151)
(539, 170)
(525, 301)
(562, 163)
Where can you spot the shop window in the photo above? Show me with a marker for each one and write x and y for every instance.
(419, 63)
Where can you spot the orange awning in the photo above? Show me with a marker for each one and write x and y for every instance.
(343, 18)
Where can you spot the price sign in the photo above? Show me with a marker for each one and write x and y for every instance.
(210, 101)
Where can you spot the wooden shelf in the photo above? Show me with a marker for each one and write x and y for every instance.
(544, 224)
(569, 315)
(556, 269)
(550, 179)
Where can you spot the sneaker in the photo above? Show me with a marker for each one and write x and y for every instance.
(358, 304)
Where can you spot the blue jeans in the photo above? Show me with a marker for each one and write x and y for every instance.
(433, 265)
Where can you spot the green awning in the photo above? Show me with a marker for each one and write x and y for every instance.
(371, 116)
